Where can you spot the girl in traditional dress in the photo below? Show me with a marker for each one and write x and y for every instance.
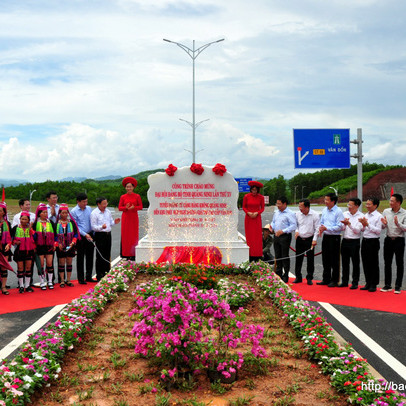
(5, 244)
(44, 236)
(253, 205)
(24, 252)
(129, 204)
(66, 237)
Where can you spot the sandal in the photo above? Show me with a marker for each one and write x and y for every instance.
(62, 285)
(69, 283)
(5, 292)
(43, 287)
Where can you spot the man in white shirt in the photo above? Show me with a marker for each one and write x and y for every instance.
(308, 222)
(101, 221)
(350, 245)
(394, 220)
(25, 205)
(372, 227)
(52, 206)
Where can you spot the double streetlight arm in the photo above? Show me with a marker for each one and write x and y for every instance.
(193, 53)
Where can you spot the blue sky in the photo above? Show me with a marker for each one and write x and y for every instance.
(89, 88)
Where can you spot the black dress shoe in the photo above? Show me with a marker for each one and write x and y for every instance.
(21, 290)
(91, 280)
(366, 287)
(332, 285)
(82, 283)
(343, 285)
(309, 282)
(29, 289)
(322, 283)
(353, 287)
(372, 289)
(298, 280)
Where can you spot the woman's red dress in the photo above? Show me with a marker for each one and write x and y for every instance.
(129, 223)
(253, 227)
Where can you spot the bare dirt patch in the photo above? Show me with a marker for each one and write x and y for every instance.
(103, 370)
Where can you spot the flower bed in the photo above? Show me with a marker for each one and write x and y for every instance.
(38, 362)
(188, 329)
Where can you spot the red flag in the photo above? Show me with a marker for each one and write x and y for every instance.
(3, 195)
(391, 191)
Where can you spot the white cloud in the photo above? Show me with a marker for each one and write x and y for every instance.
(99, 75)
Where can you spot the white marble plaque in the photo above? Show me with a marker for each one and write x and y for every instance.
(192, 209)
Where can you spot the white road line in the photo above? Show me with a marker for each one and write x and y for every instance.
(114, 262)
(380, 352)
(13, 345)
(18, 341)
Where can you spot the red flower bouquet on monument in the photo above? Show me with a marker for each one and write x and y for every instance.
(197, 169)
(219, 169)
(171, 169)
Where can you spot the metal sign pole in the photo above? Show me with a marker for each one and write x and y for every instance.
(359, 156)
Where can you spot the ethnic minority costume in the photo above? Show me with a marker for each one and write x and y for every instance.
(24, 252)
(45, 239)
(66, 234)
(5, 239)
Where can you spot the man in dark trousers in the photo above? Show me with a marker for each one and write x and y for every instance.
(330, 228)
(308, 222)
(267, 242)
(372, 228)
(394, 220)
(102, 221)
(85, 248)
(283, 224)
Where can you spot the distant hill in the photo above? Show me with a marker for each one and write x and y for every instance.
(145, 174)
(109, 177)
(12, 182)
(72, 179)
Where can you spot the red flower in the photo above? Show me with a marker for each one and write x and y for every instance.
(197, 169)
(219, 169)
(170, 170)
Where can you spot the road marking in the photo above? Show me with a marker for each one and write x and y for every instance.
(114, 262)
(384, 355)
(18, 341)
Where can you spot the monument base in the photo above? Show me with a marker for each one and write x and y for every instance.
(234, 252)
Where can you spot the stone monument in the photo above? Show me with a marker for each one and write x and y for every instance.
(193, 207)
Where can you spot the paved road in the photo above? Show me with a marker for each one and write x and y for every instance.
(386, 329)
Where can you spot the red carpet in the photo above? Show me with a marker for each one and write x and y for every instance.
(386, 302)
(17, 302)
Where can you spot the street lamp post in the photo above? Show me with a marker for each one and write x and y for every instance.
(296, 186)
(31, 193)
(335, 190)
(193, 53)
(302, 190)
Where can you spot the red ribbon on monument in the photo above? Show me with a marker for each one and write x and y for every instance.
(191, 255)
